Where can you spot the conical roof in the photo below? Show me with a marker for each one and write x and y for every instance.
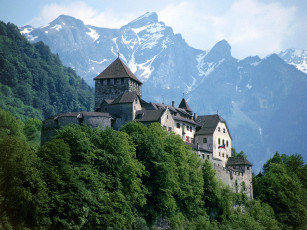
(184, 105)
(117, 69)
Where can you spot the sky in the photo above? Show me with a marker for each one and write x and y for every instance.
(251, 27)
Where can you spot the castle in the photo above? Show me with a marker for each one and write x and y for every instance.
(118, 100)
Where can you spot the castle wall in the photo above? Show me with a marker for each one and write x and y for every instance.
(167, 121)
(235, 178)
(52, 124)
(109, 89)
(113, 87)
(124, 114)
(221, 133)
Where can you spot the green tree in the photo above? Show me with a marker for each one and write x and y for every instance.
(283, 191)
(25, 194)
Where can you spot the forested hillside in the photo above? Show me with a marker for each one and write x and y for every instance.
(33, 82)
(137, 178)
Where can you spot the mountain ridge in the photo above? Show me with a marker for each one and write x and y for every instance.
(246, 92)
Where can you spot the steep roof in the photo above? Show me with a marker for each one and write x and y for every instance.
(117, 69)
(126, 97)
(208, 124)
(232, 161)
(184, 105)
(149, 115)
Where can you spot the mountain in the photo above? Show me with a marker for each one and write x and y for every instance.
(263, 100)
(295, 57)
(33, 82)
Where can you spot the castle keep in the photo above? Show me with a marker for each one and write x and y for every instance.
(118, 101)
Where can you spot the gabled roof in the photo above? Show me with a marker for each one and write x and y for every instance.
(208, 124)
(149, 115)
(184, 105)
(117, 69)
(232, 161)
(180, 118)
(126, 97)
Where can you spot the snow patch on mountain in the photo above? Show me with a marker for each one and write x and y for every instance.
(56, 27)
(93, 34)
(295, 57)
(26, 30)
(99, 62)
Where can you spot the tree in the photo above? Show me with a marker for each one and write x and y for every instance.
(25, 193)
(283, 191)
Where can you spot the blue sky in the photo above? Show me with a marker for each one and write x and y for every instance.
(252, 27)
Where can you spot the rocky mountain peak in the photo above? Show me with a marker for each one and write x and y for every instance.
(65, 20)
(220, 50)
(145, 19)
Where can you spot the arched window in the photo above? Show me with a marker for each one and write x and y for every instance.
(219, 141)
(227, 143)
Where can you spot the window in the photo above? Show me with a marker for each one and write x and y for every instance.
(205, 140)
(108, 81)
(223, 155)
(166, 116)
(178, 125)
(203, 156)
(187, 139)
(223, 142)
(227, 156)
(247, 168)
(223, 130)
(227, 143)
(219, 129)
(115, 80)
(191, 128)
(122, 81)
(188, 128)
(219, 154)
(208, 157)
(219, 141)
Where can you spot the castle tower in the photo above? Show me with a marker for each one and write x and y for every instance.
(115, 80)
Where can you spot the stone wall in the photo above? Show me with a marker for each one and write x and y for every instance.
(52, 124)
(124, 114)
(113, 87)
(235, 178)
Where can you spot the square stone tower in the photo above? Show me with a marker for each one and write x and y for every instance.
(115, 80)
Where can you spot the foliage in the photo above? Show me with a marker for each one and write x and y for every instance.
(33, 82)
(173, 177)
(137, 178)
(283, 187)
(234, 153)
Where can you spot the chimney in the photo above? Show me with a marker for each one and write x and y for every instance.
(195, 116)
(173, 103)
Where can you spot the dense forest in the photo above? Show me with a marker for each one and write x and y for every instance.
(34, 83)
(136, 178)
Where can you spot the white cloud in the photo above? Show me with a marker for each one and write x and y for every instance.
(249, 26)
(82, 11)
